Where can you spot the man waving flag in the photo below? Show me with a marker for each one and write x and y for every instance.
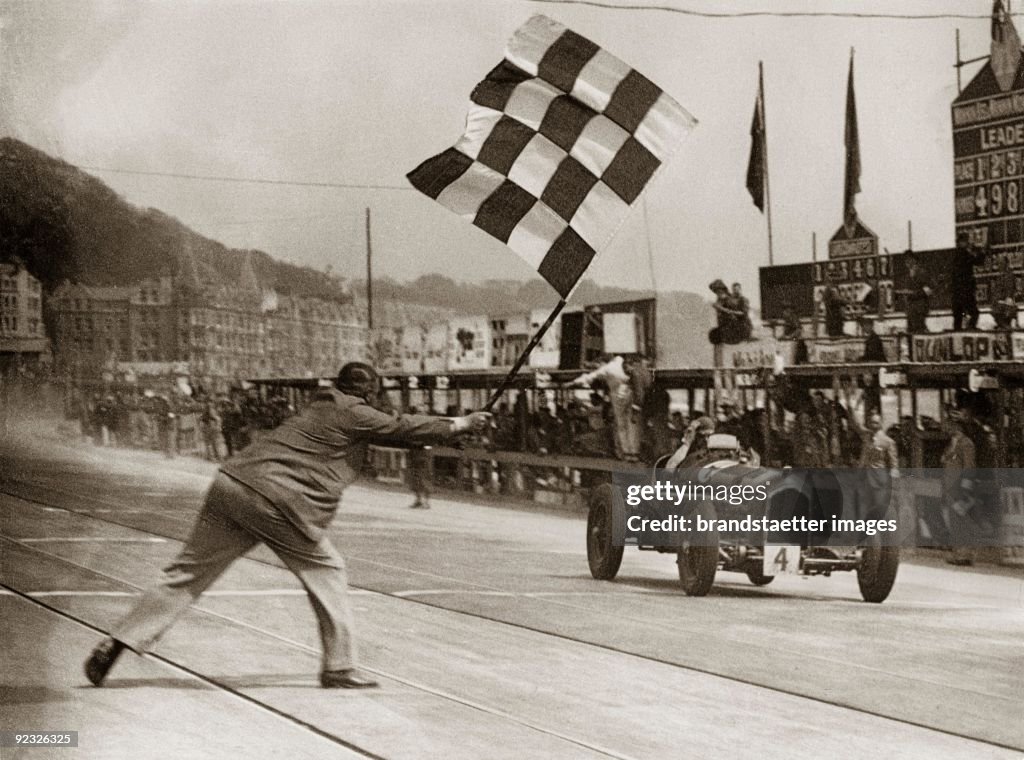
(561, 139)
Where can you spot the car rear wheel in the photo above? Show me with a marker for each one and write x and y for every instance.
(603, 556)
(876, 572)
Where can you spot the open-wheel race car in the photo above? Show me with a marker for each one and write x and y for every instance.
(761, 554)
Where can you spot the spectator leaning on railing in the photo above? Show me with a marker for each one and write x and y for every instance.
(617, 375)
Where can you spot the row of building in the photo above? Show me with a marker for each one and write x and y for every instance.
(220, 334)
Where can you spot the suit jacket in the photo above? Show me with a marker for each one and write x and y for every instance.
(303, 465)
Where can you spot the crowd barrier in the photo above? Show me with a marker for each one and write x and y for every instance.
(561, 482)
(564, 482)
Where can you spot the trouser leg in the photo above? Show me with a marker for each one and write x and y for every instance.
(326, 582)
(959, 310)
(322, 572)
(216, 541)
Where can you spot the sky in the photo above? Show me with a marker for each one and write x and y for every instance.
(360, 92)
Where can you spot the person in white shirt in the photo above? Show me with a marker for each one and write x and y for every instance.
(617, 375)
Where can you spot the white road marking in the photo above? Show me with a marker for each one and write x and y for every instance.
(90, 539)
(219, 592)
(475, 592)
(122, 511)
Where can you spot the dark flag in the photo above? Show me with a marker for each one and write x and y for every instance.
(1006, 53)
(757, 167)
(852, 141)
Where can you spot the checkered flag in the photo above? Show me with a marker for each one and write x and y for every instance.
(560, 141)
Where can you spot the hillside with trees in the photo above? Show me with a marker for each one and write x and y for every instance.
(66, 224)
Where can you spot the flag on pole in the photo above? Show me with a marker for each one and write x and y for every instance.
(1005, 49)
(757, 167)
(561, 139)
(852, 140)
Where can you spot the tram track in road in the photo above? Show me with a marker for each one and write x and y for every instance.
(406, 597)
(291, 643)
(197, 676)
(423, 596)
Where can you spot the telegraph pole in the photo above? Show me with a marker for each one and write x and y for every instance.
(369, 274)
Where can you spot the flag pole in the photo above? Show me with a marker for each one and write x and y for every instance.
(767, 174)
(524, 356)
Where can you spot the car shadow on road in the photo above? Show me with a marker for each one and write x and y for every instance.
(670, 587)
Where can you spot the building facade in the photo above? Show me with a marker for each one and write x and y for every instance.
(225, 334)
(22, 334)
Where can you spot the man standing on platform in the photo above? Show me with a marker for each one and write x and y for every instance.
(918, 297)
(618, 375)
(835, 305)
(1004, 296)
(964, 286)
(283, 491)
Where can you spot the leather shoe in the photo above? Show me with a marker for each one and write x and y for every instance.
(346, 679)
(102, 660)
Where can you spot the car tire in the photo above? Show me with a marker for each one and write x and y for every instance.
(698, 563)
(876, 572)
(603, 556)
(755, 573)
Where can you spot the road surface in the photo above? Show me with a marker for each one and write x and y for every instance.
(488, 634)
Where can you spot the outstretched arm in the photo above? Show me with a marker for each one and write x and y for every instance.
(368, 423)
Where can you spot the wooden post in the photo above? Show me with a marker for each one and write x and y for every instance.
(369, 274)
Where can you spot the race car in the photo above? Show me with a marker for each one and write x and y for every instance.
(809, 522)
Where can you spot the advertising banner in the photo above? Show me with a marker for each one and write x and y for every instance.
(961, 347)
(847, 350)
(469, 343)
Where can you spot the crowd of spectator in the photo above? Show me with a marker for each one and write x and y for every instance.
(174, 421)
(807, 429)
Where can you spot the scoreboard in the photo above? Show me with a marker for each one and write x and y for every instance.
(988, 169)
(988, 173)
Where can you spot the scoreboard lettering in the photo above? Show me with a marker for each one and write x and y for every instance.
(988, 167)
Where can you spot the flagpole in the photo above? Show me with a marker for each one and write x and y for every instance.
(523, 356)
(767, 174)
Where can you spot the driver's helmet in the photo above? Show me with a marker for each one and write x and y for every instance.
(705, 425)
